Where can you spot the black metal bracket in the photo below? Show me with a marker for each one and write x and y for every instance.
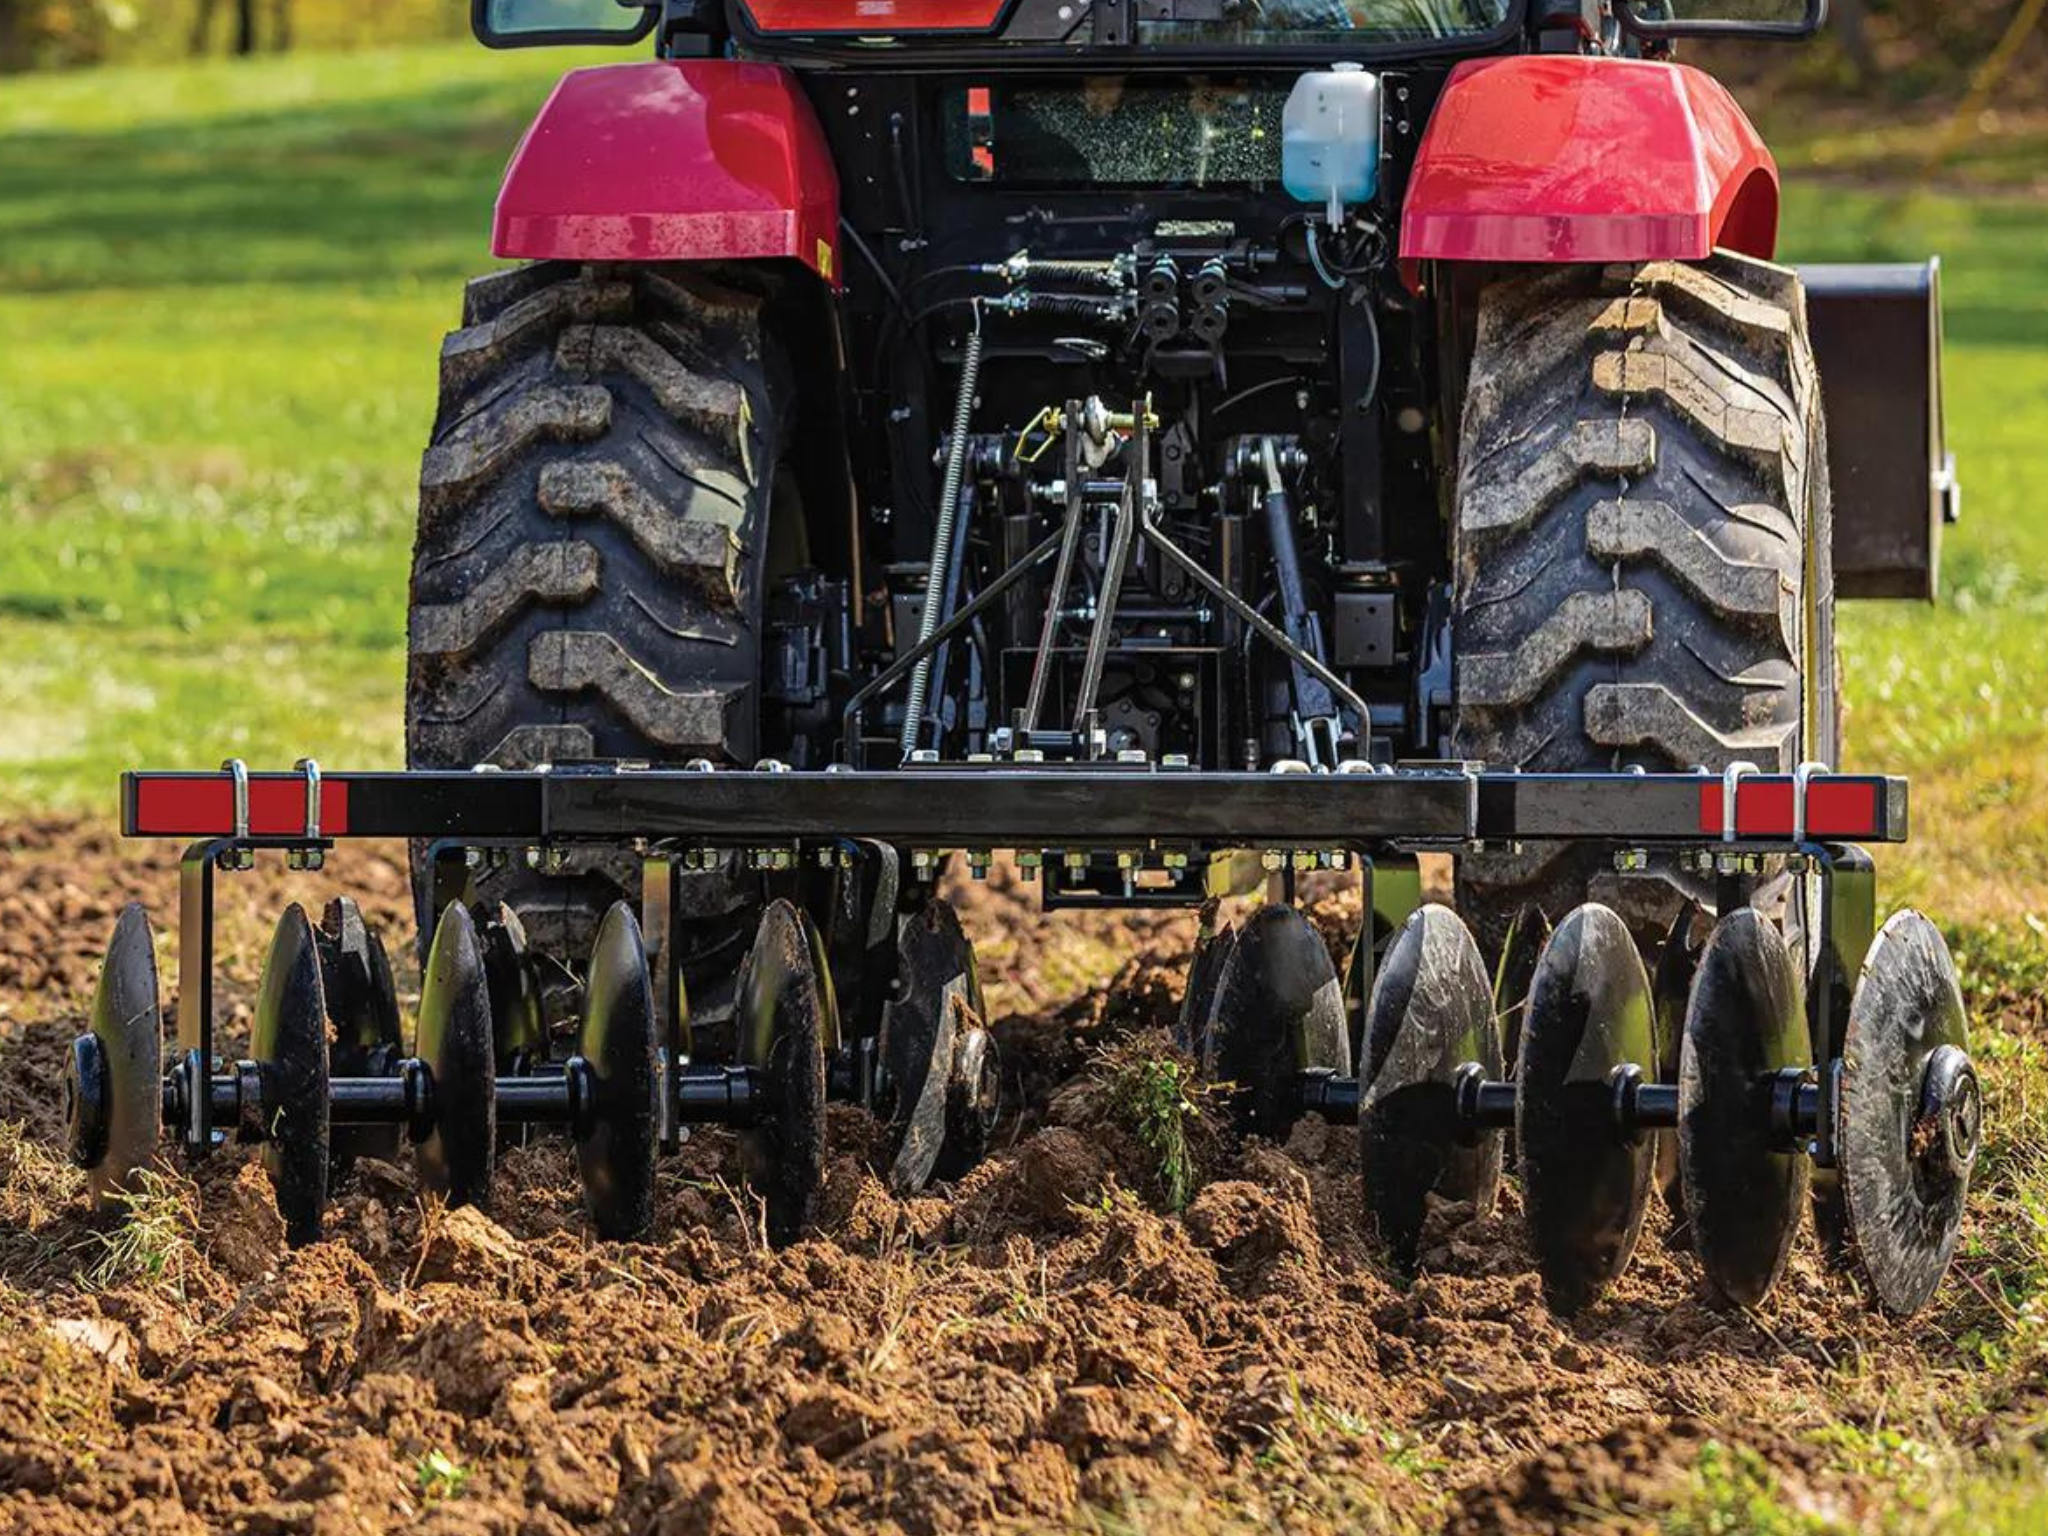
(1845, 922)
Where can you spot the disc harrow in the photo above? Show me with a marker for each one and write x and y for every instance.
(1747, 1081)
(327, 1080)
(1898, 1116)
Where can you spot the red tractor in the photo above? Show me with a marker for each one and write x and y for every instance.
(1455, 413)
(1130, 432)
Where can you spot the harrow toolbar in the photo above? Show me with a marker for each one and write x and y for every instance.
(1004, 804)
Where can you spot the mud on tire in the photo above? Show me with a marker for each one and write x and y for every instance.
(1642, 572)
(588, 573)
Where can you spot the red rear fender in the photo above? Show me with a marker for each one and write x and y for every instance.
(1549, 158)
(675, 160)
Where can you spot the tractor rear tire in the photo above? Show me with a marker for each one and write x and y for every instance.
(1641, 545)
(588, 577)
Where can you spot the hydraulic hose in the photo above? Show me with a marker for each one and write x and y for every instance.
(937, 572)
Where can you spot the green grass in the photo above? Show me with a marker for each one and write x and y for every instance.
(151, 1246)
(1157, 1099)
(1735, 1492)
(223, 288)
(1952, 694)
(440, 1476)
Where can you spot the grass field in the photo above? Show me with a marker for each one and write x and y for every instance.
(222, 289)
(221, 292)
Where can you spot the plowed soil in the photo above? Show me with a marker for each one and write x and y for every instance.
(1039, 1346)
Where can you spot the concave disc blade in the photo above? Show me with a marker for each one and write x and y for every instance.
(974, 1101)
(518, 1021)
(1678, 961)
(1278, 1012)
(783, 1016)
(935, 978)
(288, 1041)
(1585, 1186)
(860, 934)
(1744, 1187)
(519, 1036)
(616, 1150)
(1431, 1013)
(115, 1089)
(1212, 953)
(362, 1013)
(1905, 1203)
(458, 1154)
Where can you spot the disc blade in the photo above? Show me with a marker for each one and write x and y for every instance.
(518, 1020)
(362, 1014)
(458, 1153)
(974, 1102)
(1585, 1186)
(288, 1042)
(617, 1046)
(782, 1013)
(1905, 1199)
(936, 979)
(1212, 952)
(1671, 983)
(860, 933)
(1278, 1012)
(115, 1106)
(1744, 1186)
(1431, 1013)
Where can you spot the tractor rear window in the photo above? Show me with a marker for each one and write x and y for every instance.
(1209, 24)
(1110, 130)
(1307, 23)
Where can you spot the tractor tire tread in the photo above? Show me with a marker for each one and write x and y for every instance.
(1636, 543)
(588, 572)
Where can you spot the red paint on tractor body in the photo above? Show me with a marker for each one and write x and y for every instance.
(675, 160)
(1556, 157)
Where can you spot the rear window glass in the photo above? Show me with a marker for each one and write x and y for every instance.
(1115, 131)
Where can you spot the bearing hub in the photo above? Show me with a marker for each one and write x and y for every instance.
(85, 1101)
(1950, 1126)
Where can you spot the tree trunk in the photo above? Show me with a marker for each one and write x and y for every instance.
(245, 28)
(14, 41)
(1850, 20)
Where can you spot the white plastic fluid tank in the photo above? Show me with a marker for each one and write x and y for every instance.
(1330, 137)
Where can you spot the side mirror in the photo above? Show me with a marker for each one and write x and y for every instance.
(544, 23)
(1768, 20)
